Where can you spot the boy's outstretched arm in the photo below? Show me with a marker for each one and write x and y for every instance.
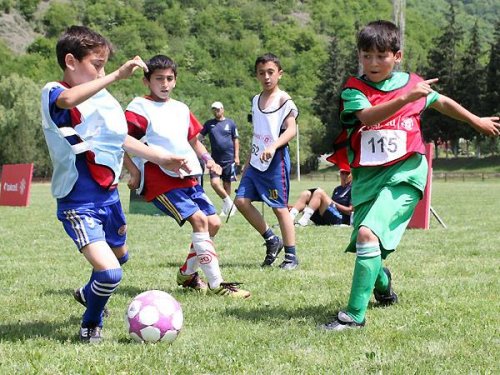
(172, 162)
(380, 112)
(486, 125)
(73, 96)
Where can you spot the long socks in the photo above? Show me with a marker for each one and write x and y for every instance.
(209, 262)
(366, 270)
(100, 287)
(191, 264)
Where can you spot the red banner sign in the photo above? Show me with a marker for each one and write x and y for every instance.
(421, 216)
(16, 184)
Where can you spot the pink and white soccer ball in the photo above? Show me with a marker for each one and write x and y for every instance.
(154, 316)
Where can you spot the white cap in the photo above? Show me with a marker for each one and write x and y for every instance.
(217, 105)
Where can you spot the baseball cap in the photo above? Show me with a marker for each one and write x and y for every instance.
(217, 105)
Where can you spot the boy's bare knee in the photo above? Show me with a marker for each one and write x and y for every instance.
(365, 234)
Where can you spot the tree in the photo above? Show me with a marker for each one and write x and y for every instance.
(443, 64)
(21, 138)
(471, 85)
(326, 103)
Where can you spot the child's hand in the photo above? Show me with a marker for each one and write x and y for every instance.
(175, 163)
(212, 166)
(135, 179)
(420, 90)
(127, 69)
(267, 154)
(487, 126)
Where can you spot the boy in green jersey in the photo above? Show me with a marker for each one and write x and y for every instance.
(380, 117)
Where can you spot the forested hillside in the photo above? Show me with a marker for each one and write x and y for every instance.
(215, 44)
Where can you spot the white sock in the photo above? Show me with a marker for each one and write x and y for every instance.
(294, 212)
(209, 262)
(308, 212)
(191, 264)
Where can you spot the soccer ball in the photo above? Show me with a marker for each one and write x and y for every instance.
(154, 316)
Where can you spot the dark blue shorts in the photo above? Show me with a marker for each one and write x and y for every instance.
(228, 172)
(271, 186)
(88, 225)
(182, 203)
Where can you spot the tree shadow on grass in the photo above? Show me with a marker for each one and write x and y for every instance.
(57, 331)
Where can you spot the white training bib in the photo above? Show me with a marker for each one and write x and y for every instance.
(379, 147)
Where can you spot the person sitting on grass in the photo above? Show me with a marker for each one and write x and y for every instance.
(317, 206)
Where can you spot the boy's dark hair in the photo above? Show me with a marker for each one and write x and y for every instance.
(160, 62)
(379, 35)
(266, 58)
(79, 41)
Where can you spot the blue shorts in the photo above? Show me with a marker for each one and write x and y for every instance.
(182, 203)
(331, 216)
(88, 225)
(228, 172)
(271, 186)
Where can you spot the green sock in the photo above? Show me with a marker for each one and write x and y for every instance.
(366, 271)
(382, 282)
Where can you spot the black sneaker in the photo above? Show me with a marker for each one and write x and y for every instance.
(273, 248)
(91, 335)
(389, 297)
(78, 296)
(290, 263)
(341, 323)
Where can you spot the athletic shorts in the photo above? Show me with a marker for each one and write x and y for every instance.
(271, 186)
(183, 203)
(228, 172)
(387, 216)
(329, 217)
(88, 225)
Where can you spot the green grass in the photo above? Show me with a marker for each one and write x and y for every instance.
(446, 322)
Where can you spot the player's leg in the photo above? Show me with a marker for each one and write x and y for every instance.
(301, 203)
(379, 225)
(319, 201)
(288, 231)
(248, 191)
(203, 222)
(178, 204)
(87, 228)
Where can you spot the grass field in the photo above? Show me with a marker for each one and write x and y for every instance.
(447, 321)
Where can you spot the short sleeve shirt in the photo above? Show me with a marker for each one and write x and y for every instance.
(368, 181)
(222, 135)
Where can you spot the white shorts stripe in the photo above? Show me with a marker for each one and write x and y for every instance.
(78, 226)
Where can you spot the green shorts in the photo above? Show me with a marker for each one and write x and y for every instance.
(387, 216)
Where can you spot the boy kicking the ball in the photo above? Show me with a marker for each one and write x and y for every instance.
(167, 124)
(86, 131)
(381, 121)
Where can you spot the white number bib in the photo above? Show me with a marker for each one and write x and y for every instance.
(382, 146)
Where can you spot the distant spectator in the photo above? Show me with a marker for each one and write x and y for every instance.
(318, 207)
(223, 135)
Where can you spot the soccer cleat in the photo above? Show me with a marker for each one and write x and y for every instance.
(230, 290)
(341, 323)
(78, 296)
(91, 335)
(389, 297)
(192, 281)
(273, 248)
(290, 262)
